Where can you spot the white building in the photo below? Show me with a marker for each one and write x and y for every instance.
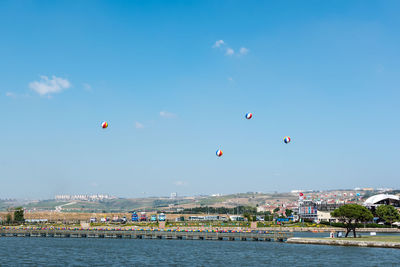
(261, 209)
(307, 210)
(382, 199)
(325, 216)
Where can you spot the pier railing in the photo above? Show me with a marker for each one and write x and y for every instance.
(149, 234)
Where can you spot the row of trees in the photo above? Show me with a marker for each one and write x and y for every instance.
(353, 214)
(388, 213)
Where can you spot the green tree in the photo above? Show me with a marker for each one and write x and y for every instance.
(268, 216)
(19, 214)
(288, 212)
(388, 213)
(276, 210)
(351, 214)
(9, 218)
(247, 216)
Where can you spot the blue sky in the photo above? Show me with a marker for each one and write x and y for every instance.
(324, 73)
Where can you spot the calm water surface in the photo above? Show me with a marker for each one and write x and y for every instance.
(16, 251)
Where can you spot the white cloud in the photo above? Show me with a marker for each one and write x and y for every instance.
(48, 86)
(243, 51)
(229, 51)
(10, 94)
(218, 43)
(167, 114)
(230, 79)
(138, 125)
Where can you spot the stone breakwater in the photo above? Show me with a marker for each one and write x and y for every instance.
(342, 242)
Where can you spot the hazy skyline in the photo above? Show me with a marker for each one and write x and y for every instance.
(174, 80)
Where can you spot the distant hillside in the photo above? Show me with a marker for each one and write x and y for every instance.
(157, 204)
(113, 205)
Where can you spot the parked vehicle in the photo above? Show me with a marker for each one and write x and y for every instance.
(135, 217)
(153, 218)
(161, 217)
(143, 217)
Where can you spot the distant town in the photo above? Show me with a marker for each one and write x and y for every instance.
(297, 205)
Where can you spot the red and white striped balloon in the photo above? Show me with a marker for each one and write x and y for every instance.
(219, 153)
(249, 115)
(104, 124)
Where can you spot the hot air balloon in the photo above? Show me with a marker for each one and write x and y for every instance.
(219, 152)
(358, 194)
(286, 139)
(249, 115)
(104, 124)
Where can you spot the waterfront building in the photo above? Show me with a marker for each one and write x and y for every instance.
(329, 205)
(236, 218)
(382, 199)
(261, 209)
(368, 189)
(325, 216)
(307, 209)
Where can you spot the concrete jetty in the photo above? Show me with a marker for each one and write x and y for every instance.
(343, 242)
(149, 234)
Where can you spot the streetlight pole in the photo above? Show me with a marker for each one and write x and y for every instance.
(144, 197)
